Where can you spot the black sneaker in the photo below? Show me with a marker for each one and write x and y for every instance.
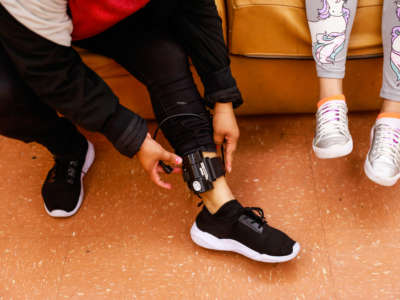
(62, 190)
(238, 229)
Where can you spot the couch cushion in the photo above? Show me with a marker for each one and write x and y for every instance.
(278, 28)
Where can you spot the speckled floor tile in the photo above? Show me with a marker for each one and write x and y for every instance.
(31, 268)
(277, 174)
(96, 268)
(130, 240)
(302, 124)
(158, 229)
(364, 263)
(273, 170)
(123, 190)
(24, 168)
(124, 200)
(172, 267)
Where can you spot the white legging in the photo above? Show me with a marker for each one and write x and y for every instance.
(330, 23)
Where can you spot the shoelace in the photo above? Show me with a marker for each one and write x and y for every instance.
(249, 211)
(386, 144)
(331, 119)
(64, 170)
(258, 218)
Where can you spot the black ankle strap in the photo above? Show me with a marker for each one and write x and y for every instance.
(216, 167)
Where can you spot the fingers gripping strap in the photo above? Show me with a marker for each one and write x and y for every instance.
(198, 172)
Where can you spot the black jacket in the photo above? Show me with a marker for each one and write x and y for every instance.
(60, 79)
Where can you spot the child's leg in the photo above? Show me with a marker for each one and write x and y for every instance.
(382, 164)
(330, 23)
(330, 26)
(330, 87)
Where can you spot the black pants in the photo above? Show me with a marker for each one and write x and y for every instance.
(148, 50)
(24, 117)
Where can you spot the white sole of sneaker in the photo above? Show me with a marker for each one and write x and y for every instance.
(89, 159)
(385, 181)
(206, 240)
(335, 151)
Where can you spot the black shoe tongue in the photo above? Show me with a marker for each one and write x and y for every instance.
(230, 208)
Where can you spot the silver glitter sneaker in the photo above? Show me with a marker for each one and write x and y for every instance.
(382, 164)
(332, 136)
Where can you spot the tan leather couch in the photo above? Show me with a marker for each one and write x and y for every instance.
(270, 49)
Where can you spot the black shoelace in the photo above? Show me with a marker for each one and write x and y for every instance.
(64, 170)
(258, 218)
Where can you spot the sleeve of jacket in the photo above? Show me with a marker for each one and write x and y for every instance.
(199, 27)
(60, 79)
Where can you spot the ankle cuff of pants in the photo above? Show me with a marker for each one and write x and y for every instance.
(76, 147)
(64, 141)
(232, 95)
(330, 71)
(126, 131)
(324, 74)
(390, 95)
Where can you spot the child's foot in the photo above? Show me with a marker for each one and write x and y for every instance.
(382, 164)
(62, 190)
(239, 229)
(332, 137)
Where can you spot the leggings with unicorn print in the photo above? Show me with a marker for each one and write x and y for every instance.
(330, 23)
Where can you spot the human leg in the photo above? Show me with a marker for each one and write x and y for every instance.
(24, 117)
(330, 25)
(223, 224)
(382, 164)
(153, 56)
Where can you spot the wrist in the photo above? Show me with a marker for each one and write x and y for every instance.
(145, 142)
(223, 107)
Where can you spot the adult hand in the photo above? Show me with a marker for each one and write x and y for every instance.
(150, 154)
(226, 131)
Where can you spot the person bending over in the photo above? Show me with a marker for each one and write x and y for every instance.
(42, 74)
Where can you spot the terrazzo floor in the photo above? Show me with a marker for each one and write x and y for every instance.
(130, 240)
